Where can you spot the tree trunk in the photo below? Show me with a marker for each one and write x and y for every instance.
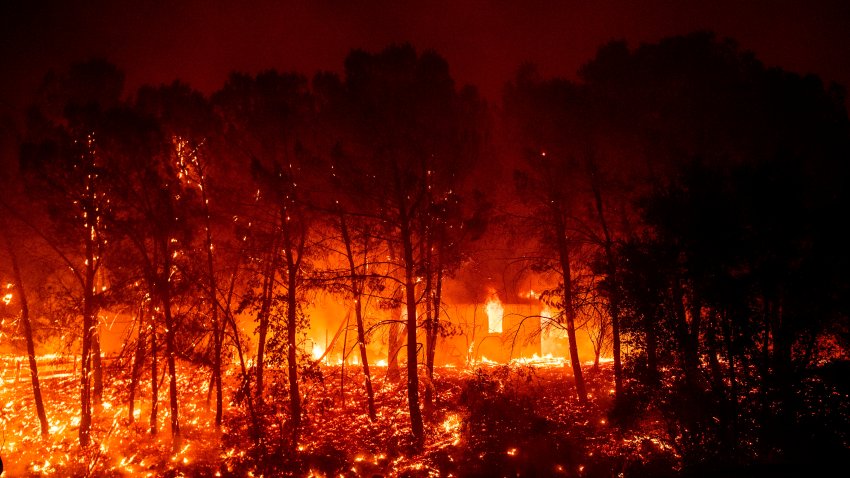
(364, 360)
(394, 345)
(154, 381)
(416, 426)
(651, 347)
(265, 311)
(433, 334)
(291, 342)
(217, 338)
(342, 363)
(27, 326)
(569, 312)
(614, 293)
(97, 365)
(394, 341)
(293, 271)
(246, 377)
(170, 353)
(357, 292)
(429, 324)
(137, 366)
(688, 353)
(85, 359)
(219, 400)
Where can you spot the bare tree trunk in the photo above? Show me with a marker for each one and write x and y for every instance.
(651, 348)
(688, 350)
(154, 381)
(293, 268)
(217, 351)
(596, 352)
(428, 324)
(292, 359)
(137, 366)
(170, 353)
(342, 364)
(97, 365)
(270, 272)
(28, 336)
(394, 345)
(416, 426)
(217, 338)
(433, 333)
(85, 359)
(356, 284)
(614, 292)
(569, 312)
(393, 341)
(364, 360)
(212, 290)
(246, 378)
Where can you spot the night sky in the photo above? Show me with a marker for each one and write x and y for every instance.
(200, 41)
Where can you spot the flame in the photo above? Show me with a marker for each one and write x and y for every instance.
(317, 351)
(495, 312)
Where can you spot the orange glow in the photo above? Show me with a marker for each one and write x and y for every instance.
(495, 313)
(317, 351)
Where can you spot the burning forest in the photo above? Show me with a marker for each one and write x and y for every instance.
(640, 271)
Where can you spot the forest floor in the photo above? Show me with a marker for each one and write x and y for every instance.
(491, 420)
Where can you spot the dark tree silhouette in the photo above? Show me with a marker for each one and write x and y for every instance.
(407, 128)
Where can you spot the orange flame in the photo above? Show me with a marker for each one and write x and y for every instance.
(495, 312)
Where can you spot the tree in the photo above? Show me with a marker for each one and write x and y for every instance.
(725, 281)
(26, 322)
(187, 117)
(61, 160)
(267, 120)
(552, 185)
(406, 127)
(154, 212)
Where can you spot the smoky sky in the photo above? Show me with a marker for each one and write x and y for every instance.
(200, 41)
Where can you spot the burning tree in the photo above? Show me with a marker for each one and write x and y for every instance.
(62, 160)
(156, 212)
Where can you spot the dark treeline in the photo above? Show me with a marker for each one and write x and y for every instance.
(685, 200)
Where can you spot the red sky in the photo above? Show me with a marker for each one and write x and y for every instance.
(484, 40)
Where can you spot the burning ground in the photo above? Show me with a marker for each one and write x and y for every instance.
(513, 420)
